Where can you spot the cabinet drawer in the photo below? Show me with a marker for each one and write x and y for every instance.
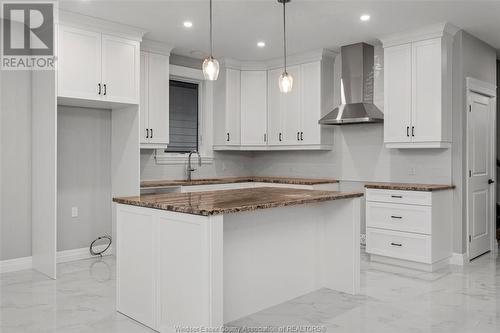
(403, 197)
(398, 217)
(401, 245)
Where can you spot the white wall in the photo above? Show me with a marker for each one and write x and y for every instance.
(84, 176)
(15, 175)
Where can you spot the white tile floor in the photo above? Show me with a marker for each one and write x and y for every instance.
(392, 300)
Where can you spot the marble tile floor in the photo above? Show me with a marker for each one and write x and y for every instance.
(392, 300)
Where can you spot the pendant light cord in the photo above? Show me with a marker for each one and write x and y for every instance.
(284, 33)
(211, 42)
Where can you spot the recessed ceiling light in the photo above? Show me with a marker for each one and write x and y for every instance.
(188, 24)
(261, 44)
(365, 17)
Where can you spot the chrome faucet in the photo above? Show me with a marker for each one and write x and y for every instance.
(190, 169)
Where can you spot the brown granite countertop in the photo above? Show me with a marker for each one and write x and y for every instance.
(228, 180)
(409, 187)
(233, 201)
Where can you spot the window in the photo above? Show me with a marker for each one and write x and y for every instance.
(183, 117)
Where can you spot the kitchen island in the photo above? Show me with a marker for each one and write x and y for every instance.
(202, 259)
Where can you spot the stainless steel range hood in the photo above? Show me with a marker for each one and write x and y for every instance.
(356, 89)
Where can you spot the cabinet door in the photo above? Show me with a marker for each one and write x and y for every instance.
(79, 63)
(253, 107)
(158, 98)
(310, 103)
(120, 69)
(274, 106)
(290, 111)
(427, 91)
(233, 104)
(143, 106)
(398, 93)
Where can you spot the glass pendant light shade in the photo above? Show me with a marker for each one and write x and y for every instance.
(286, 83)
(210, 68)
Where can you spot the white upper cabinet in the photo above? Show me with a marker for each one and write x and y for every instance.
(417, 88)
(227, 108)
(79, 63)
(253, 108)
(94, 66)
(154, 101)
(269, 119)
(120, 69)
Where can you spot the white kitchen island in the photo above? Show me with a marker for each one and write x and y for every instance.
(203, 259)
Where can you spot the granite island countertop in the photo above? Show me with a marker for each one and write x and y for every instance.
(233, 201)
(409, 187)
(229, 180)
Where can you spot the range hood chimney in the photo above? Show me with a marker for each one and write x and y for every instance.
(356, 89)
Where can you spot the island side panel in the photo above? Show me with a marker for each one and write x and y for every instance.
(340, 257)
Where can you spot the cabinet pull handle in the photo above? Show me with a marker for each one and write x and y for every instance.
(98, 88)
(280, 137)
(408, 131)
(301, 136)
(227, 137)
(147, 133)
(298, 136)
(397, 244)
(396, 217)
(151, 132)
(265, 137)
(397, 196)
(413, 131)
(105, 89)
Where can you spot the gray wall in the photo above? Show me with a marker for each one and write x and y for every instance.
(84, 176)
(15, 164)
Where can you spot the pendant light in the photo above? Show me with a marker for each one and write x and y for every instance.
(285, 80)
(210, 64)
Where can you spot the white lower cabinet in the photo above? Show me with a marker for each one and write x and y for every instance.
(409, 228)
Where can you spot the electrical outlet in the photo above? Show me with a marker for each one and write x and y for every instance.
(74, 211)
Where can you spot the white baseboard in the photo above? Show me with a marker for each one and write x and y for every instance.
(19, 264)
(458, 259)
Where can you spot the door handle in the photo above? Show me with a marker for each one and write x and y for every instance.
(151, 132)
(491, 181)
(397, 244)
(413, 131)
(227, 137)
(280, 137)
(301, 136)
(265, 137)
(147, 133)
(298, 136)
(105, 89)
(396, 217)
(397, 196)
(99, 88)
(408, 131)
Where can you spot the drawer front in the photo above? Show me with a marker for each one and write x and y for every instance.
(403, 197)
(398, 217)
(400, 245)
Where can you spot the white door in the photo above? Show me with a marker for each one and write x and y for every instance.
(158, 100)
(397, 93)
(233, 105)
(427, 91)
(79, 63)
(143, 105)
(310, 132)
(290, 111)
(120, 69)
(480, 217)
(253, 108)
(274, 100)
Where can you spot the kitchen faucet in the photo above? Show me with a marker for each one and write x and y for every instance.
(190, 169)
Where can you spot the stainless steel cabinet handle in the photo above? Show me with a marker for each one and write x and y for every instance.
(99, 88)
(105, 89)
(280, 137)
(408, 131)
(301, 136)
(298, 136)
(396, 217)
(147, 133)
(397, 244)
(397, 196)
(413, 131)
(265, 137)
(151, 132)
(227, 137)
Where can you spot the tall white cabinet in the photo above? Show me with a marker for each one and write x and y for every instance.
(417, 88)
(252, 114)
(154, 95)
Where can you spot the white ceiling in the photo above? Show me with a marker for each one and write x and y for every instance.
(312, 24)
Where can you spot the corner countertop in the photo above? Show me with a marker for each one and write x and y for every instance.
(409, 187)
(233, 201)
(228, 180)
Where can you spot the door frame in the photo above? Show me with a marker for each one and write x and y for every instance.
(489, 90)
